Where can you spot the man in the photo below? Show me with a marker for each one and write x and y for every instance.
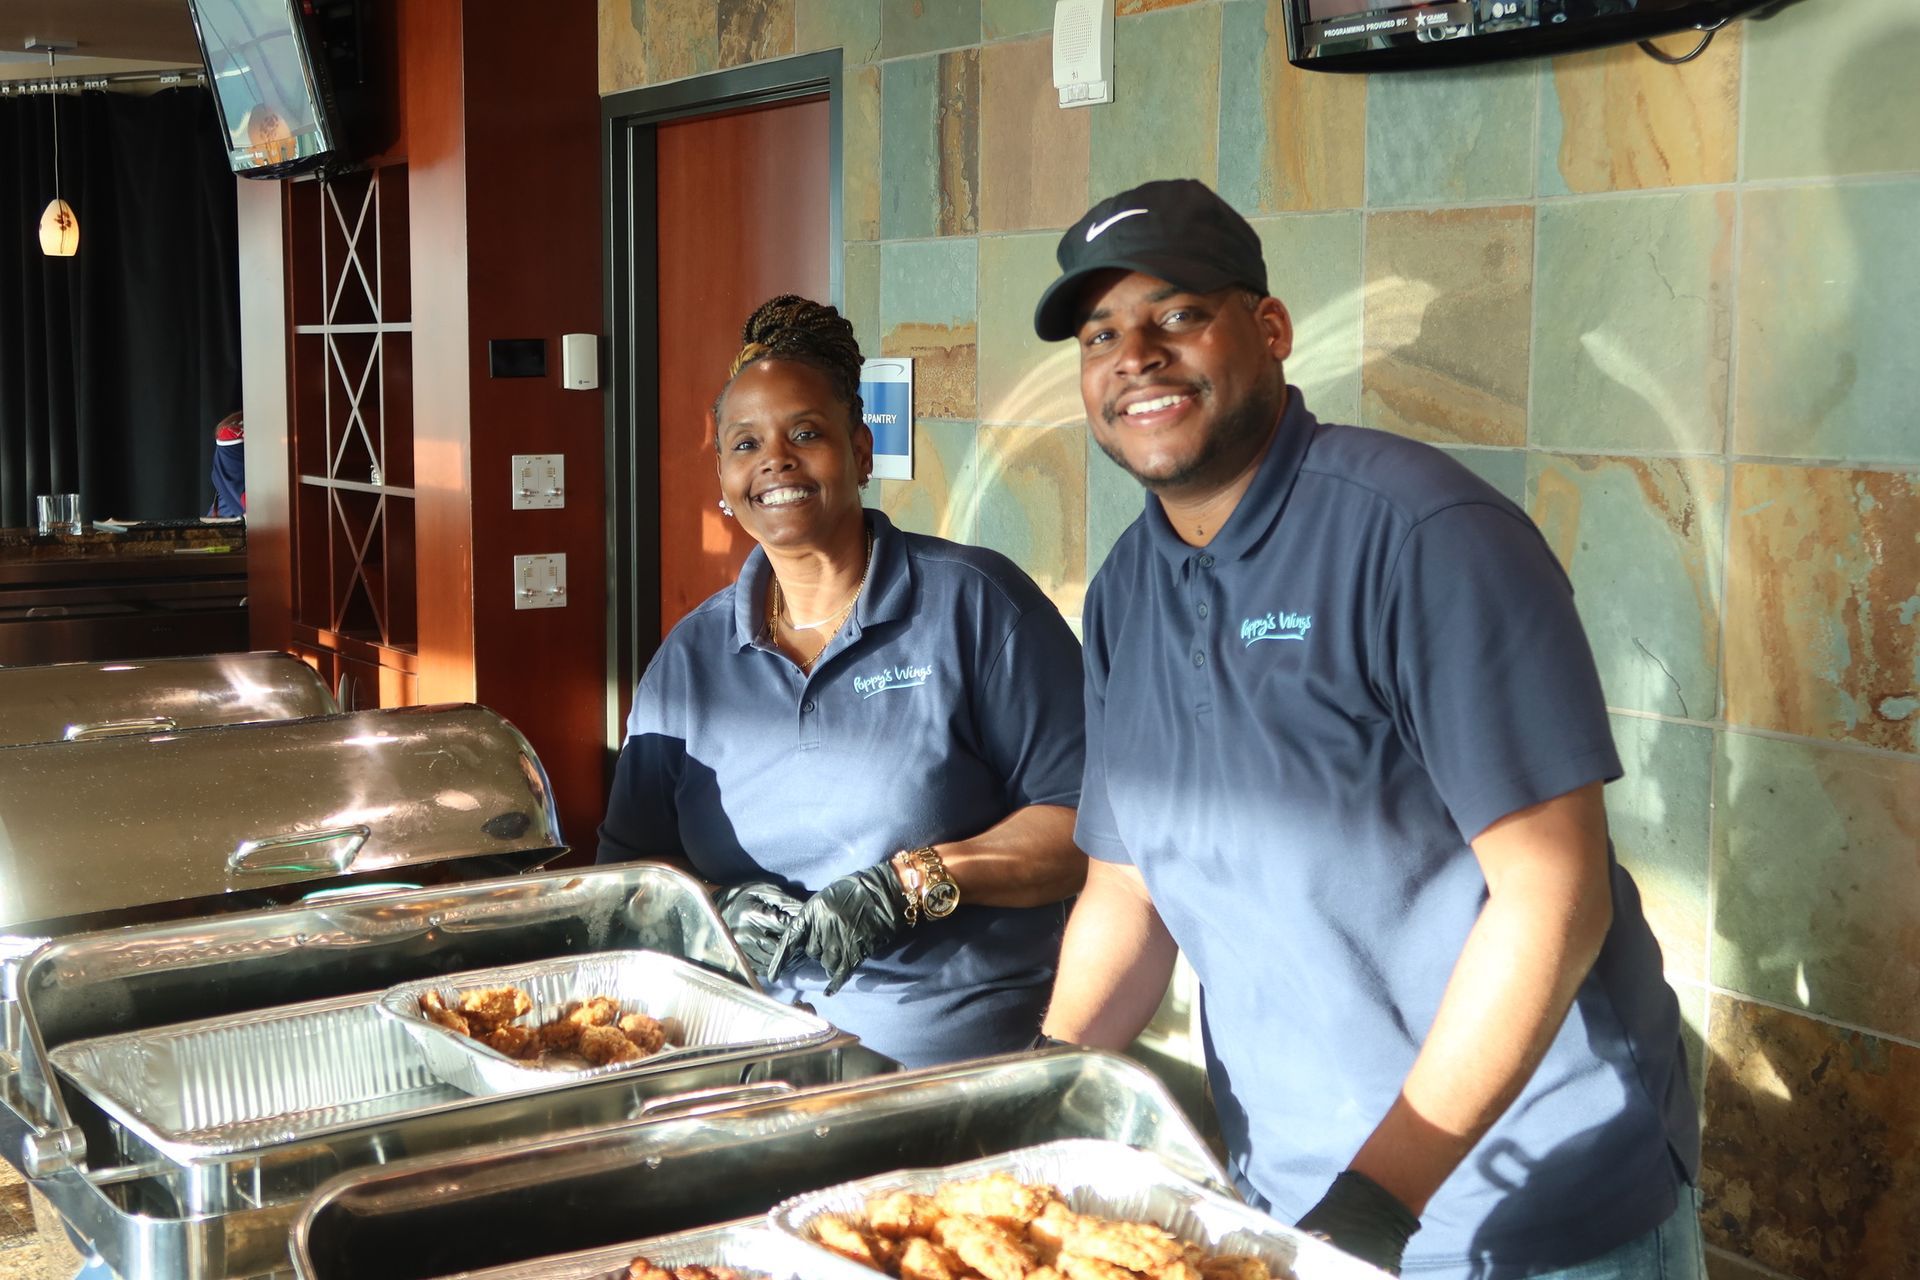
(1345, 748)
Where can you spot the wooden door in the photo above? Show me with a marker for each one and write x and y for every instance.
(744, 211)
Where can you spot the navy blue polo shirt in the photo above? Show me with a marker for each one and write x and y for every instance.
(950, 699)
(1294, 732)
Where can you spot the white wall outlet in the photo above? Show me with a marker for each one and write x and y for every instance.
(539, 481)
(1083, 51)
(579, 361)
(540, 582)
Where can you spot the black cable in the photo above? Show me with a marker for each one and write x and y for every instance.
(1660, 55)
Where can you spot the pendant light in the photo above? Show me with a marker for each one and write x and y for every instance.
(59, 228)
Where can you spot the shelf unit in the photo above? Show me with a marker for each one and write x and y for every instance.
(355, 593)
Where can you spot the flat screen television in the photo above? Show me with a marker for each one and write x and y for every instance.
(290, 80)
(1399, 35)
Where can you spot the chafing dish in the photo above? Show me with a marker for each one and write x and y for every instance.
(438, 1216)
(707, 1014)
(200, 1201)
(78, 701)
(1108, 1180)
(178, 824)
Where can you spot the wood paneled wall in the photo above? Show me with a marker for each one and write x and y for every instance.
(499, 126)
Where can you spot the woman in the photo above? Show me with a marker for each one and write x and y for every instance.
(866, 729)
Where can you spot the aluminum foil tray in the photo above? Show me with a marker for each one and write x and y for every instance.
(1112, 1180)
(747, 1246)
(225, 1085)
(707, 1014)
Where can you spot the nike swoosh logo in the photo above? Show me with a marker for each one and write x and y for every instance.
(1102, 225)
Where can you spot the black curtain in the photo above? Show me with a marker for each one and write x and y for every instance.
(116, 363)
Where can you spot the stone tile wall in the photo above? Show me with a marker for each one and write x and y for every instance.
(1668, 309)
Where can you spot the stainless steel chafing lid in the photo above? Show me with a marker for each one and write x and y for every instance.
(88, 829)
(76, 701)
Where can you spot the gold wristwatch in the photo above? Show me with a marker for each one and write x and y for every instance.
(931, 891)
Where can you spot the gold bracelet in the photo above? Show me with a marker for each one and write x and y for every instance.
(904, 861)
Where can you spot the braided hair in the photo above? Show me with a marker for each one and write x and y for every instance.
(790, 327)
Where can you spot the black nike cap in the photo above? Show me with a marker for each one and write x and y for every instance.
(1176, 230)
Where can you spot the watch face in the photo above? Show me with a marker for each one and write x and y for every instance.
(941, 898)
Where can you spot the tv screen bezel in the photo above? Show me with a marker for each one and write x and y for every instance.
(325, 115)
(1539, 41)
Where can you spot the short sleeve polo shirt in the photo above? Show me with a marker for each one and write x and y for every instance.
(1294, 733)
(949, 699)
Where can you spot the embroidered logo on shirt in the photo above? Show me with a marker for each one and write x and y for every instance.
(891, 678)
(1275, 626)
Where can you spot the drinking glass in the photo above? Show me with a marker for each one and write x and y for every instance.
(59, 513)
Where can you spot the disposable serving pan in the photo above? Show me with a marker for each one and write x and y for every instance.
(747, 1246)
(1111, 1180)
(706, 1013)
(220, 1086)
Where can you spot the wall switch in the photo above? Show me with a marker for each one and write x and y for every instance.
(540, 582)
(539, 481)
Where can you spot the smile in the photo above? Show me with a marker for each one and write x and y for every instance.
(1155, 405)
(785, 496)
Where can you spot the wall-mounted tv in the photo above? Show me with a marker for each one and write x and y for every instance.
(1399, 35)
(290, 79)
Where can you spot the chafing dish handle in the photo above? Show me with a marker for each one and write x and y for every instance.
(117, 728)
(698, 1102)
(330, 851)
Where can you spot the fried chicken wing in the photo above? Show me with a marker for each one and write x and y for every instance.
(1136, 1246)
(849, 1241)
(1076, 1266)
(922, 1259)
(648, 1034)
(986, 1246)
(999, 1196)
(1233, 1266)
(514, 1041)
(603, 1045)
(898, 1214)
(491, 1007)
(437, 1012)
(1049, 1230)
(643, 1269)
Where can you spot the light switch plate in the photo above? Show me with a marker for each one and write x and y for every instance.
(540, 582)
(539, 481)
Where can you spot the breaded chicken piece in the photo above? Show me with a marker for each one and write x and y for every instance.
(514, 1041)
(1137, 1246)
(1231, 1266)
(643, 1269)
(849, 1241)
(595, 1011)
(989, 1248)
(647, 1034)
(1049, 1231)
(437, 1013)
(898, 1214)
(1076, 1266)
(999, 1196)
(922, 1259)
(603, 1045)
(1181, 1268)
(492, 1007)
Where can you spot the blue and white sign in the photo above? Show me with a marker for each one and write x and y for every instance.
(886, 397)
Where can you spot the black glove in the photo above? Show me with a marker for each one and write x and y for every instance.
(1361, 1217)
(846, 922)
(758, 913)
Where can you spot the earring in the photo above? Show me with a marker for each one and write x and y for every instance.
(725, 510)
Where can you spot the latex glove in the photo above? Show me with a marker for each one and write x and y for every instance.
(1361, 1217)
(757, 913)
(846, 922)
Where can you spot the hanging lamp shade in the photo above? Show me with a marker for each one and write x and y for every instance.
(59, 230)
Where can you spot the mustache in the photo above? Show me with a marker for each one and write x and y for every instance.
(1110, 412)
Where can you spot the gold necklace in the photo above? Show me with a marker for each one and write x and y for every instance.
(777, 606)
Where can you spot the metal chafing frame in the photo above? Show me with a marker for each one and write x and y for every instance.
(437, 1216)
(81, 987)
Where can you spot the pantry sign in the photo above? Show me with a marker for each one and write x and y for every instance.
(886, 398)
